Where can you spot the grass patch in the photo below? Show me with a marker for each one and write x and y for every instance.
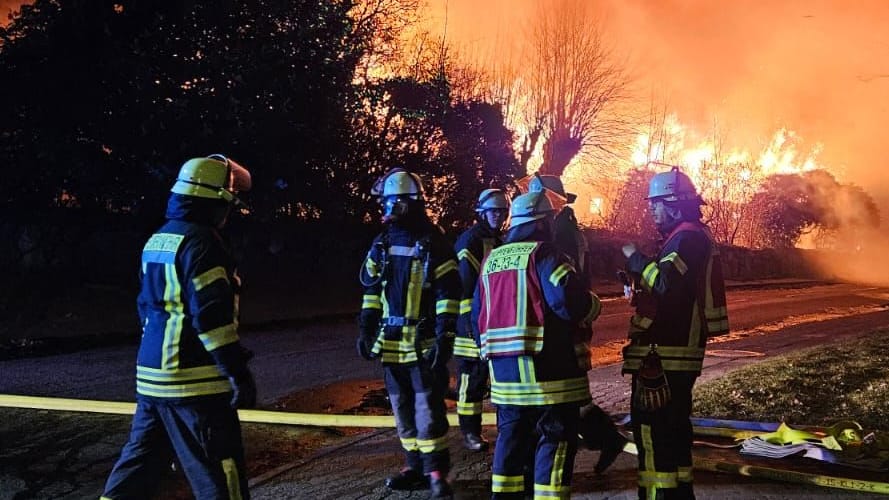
(817, 386)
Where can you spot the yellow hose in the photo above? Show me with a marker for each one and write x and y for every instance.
(253, 416)
(791, 476)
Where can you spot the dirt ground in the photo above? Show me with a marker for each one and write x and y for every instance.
(53, 454)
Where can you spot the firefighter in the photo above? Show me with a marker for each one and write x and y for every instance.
(528, 303)
(408, 320)
(597, 429)
(472, 247)
(679, 304)
(191, 371)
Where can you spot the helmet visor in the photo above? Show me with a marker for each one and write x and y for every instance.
(239, 179)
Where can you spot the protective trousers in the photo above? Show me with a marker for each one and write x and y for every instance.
(664, 439)
(205, 433)
(472, 383)
(416, 392)
(535, 439)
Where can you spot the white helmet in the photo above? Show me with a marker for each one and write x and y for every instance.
(529, 207)
(672, 186)
(398, 181)
(492, 199)
(214, 177)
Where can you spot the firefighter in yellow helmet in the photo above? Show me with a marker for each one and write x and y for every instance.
(529, 300)
(680, 303)
(597, 429)
(473, 245)
(191, 371)
(408, 321)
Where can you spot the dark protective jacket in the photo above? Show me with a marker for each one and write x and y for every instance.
(411, 293)
(571, 241)
(472, 247)
(681, 302)
(528, 304)
(188, 306)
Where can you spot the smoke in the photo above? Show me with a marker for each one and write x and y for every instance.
(817, 67)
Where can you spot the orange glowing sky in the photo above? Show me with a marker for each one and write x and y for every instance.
(818, 67)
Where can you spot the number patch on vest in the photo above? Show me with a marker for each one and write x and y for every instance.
(511, 257)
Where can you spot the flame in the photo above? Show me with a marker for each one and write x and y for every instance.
(676, 144)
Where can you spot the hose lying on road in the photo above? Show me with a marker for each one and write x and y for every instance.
(314, 419)
(791, 476)
(253, 416)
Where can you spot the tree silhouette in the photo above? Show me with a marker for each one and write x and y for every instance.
(578, 85)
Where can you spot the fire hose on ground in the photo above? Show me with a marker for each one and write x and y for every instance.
(702, 427)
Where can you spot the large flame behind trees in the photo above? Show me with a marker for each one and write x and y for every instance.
(323, 96)
(769, 200)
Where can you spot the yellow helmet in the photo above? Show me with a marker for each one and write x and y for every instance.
(213, 177)
(529, 207)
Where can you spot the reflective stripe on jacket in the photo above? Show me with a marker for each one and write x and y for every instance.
(472, 247)
(682, 302)
(187, 305)
(511, 318)
(415, 292)
(527, 307)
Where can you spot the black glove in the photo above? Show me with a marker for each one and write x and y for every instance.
(368, 329)
(441, 352)
(244, 391)
(231, 359)
(365, 347)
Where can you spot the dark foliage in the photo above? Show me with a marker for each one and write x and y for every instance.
(102, 101)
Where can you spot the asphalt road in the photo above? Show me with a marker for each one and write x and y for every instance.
(293, 359)
(767, 320)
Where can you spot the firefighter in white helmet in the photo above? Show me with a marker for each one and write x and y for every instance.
(191, 371)
(408, 321)
(679, 304)
(529, 300)
(597, 429)
(473, 245)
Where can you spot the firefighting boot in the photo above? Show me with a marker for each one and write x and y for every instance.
(439, 486)
(598, 432)
(408, 479)
(474, 442)
(612, 444)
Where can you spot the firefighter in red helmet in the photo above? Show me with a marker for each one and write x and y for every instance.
(680, 303)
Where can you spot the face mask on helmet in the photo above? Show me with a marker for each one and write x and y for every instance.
(395, 208)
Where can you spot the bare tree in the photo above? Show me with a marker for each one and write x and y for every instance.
(380, 25)
(578, 85)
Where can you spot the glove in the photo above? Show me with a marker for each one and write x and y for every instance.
(364, 346)
(441, 351)
(244, 395)
(368, 329)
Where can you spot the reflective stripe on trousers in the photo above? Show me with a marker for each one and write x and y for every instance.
(206, 435)
(417, 397)
(664, 439)
(552, 453)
